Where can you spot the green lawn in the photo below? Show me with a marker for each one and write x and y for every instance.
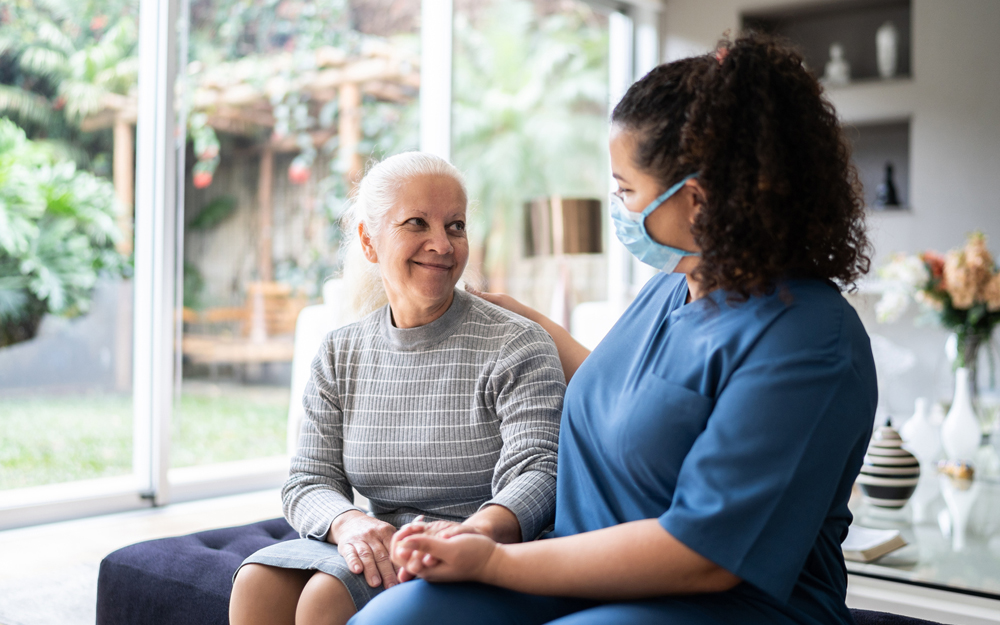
(45, 440)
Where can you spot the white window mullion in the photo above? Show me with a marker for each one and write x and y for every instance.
(436, 36)
(620, 77)
(155, 233)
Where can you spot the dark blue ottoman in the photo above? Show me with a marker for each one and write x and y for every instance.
(184, 580)
(187, 580)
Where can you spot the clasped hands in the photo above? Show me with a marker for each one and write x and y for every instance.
(435, 551)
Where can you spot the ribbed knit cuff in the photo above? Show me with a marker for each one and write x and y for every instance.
(531, 496)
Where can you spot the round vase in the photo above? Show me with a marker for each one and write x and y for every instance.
(890, 473)
(961, 432)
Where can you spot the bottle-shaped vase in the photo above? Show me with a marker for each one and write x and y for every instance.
(961, 432)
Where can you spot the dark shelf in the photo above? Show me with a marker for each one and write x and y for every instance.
(872, 146)
(853, 24)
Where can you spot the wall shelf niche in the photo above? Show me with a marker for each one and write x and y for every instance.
(814, 28)
(875, 145)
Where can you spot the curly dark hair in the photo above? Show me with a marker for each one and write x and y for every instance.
(783, 199)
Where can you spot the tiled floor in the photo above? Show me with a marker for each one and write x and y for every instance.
(48, 573)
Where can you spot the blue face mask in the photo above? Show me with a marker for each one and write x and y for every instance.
(631, 230)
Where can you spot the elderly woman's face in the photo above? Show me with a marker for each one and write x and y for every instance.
(422, 248)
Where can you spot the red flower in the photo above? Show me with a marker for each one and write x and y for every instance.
(298, 173)
(935, 265)
(202, 179)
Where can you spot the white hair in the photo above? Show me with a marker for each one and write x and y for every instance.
(371, 200)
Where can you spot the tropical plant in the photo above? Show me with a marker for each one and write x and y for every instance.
(529, 112)
(54, 73)
(57, 235)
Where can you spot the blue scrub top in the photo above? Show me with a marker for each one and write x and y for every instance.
(741, 426)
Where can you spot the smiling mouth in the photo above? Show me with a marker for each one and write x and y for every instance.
(434, 266)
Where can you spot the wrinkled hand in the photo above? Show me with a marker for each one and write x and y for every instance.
(365, 544)
(418, 560)
(462, 557)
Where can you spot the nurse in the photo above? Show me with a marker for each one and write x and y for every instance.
(710, 442)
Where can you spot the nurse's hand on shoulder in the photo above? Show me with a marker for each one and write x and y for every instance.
(505, 301)
(364, 542)
(462, 557)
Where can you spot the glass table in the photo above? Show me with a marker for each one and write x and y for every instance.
(953, 535)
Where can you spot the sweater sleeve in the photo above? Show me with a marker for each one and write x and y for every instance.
(317, 489)
(528, 385)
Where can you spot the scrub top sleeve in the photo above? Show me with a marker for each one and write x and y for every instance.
(757, 484)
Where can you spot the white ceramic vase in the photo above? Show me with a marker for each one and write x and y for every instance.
(923, 439)
(920, 436)
(961, 432)
(886, 47)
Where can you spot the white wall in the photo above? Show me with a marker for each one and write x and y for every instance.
(953, 103)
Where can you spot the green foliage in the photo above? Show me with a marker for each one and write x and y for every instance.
(194, 287)
(529, 113)
(227, 30)
(57, 235)
(214, 213)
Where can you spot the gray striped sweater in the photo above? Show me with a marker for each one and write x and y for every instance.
(439, 420)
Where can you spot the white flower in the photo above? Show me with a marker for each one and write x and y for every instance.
(906, 270)
(893, 304)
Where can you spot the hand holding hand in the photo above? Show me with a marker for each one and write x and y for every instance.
(462, 557)
(418, 560)
(365, 544)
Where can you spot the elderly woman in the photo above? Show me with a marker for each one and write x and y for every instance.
(437, 405)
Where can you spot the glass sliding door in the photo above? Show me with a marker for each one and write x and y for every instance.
(68, 75)
(285, 102)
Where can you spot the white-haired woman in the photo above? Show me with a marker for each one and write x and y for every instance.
(437, 404)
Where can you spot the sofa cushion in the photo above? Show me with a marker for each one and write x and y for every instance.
(184, 579)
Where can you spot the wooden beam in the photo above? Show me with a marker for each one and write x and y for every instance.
(349, 129)
(123, 175)
(265, 218)
(289, 143)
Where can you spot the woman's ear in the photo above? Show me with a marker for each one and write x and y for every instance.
(366, 244)
(695, 198)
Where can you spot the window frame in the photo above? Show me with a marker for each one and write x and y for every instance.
(159, 197)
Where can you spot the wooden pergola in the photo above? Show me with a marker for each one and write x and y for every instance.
(237, 99)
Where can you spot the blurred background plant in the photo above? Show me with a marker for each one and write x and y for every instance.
(57, 235)
(58, 61)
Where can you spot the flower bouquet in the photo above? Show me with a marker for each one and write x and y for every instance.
(960, 290)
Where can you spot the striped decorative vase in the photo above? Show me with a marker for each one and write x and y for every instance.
(890, 473)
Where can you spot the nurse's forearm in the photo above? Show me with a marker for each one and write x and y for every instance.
(628, 561)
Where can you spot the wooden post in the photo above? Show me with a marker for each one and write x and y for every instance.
(123, 174)
(349, 129)
(265, 186)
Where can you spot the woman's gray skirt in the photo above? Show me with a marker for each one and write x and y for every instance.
(313, 555)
